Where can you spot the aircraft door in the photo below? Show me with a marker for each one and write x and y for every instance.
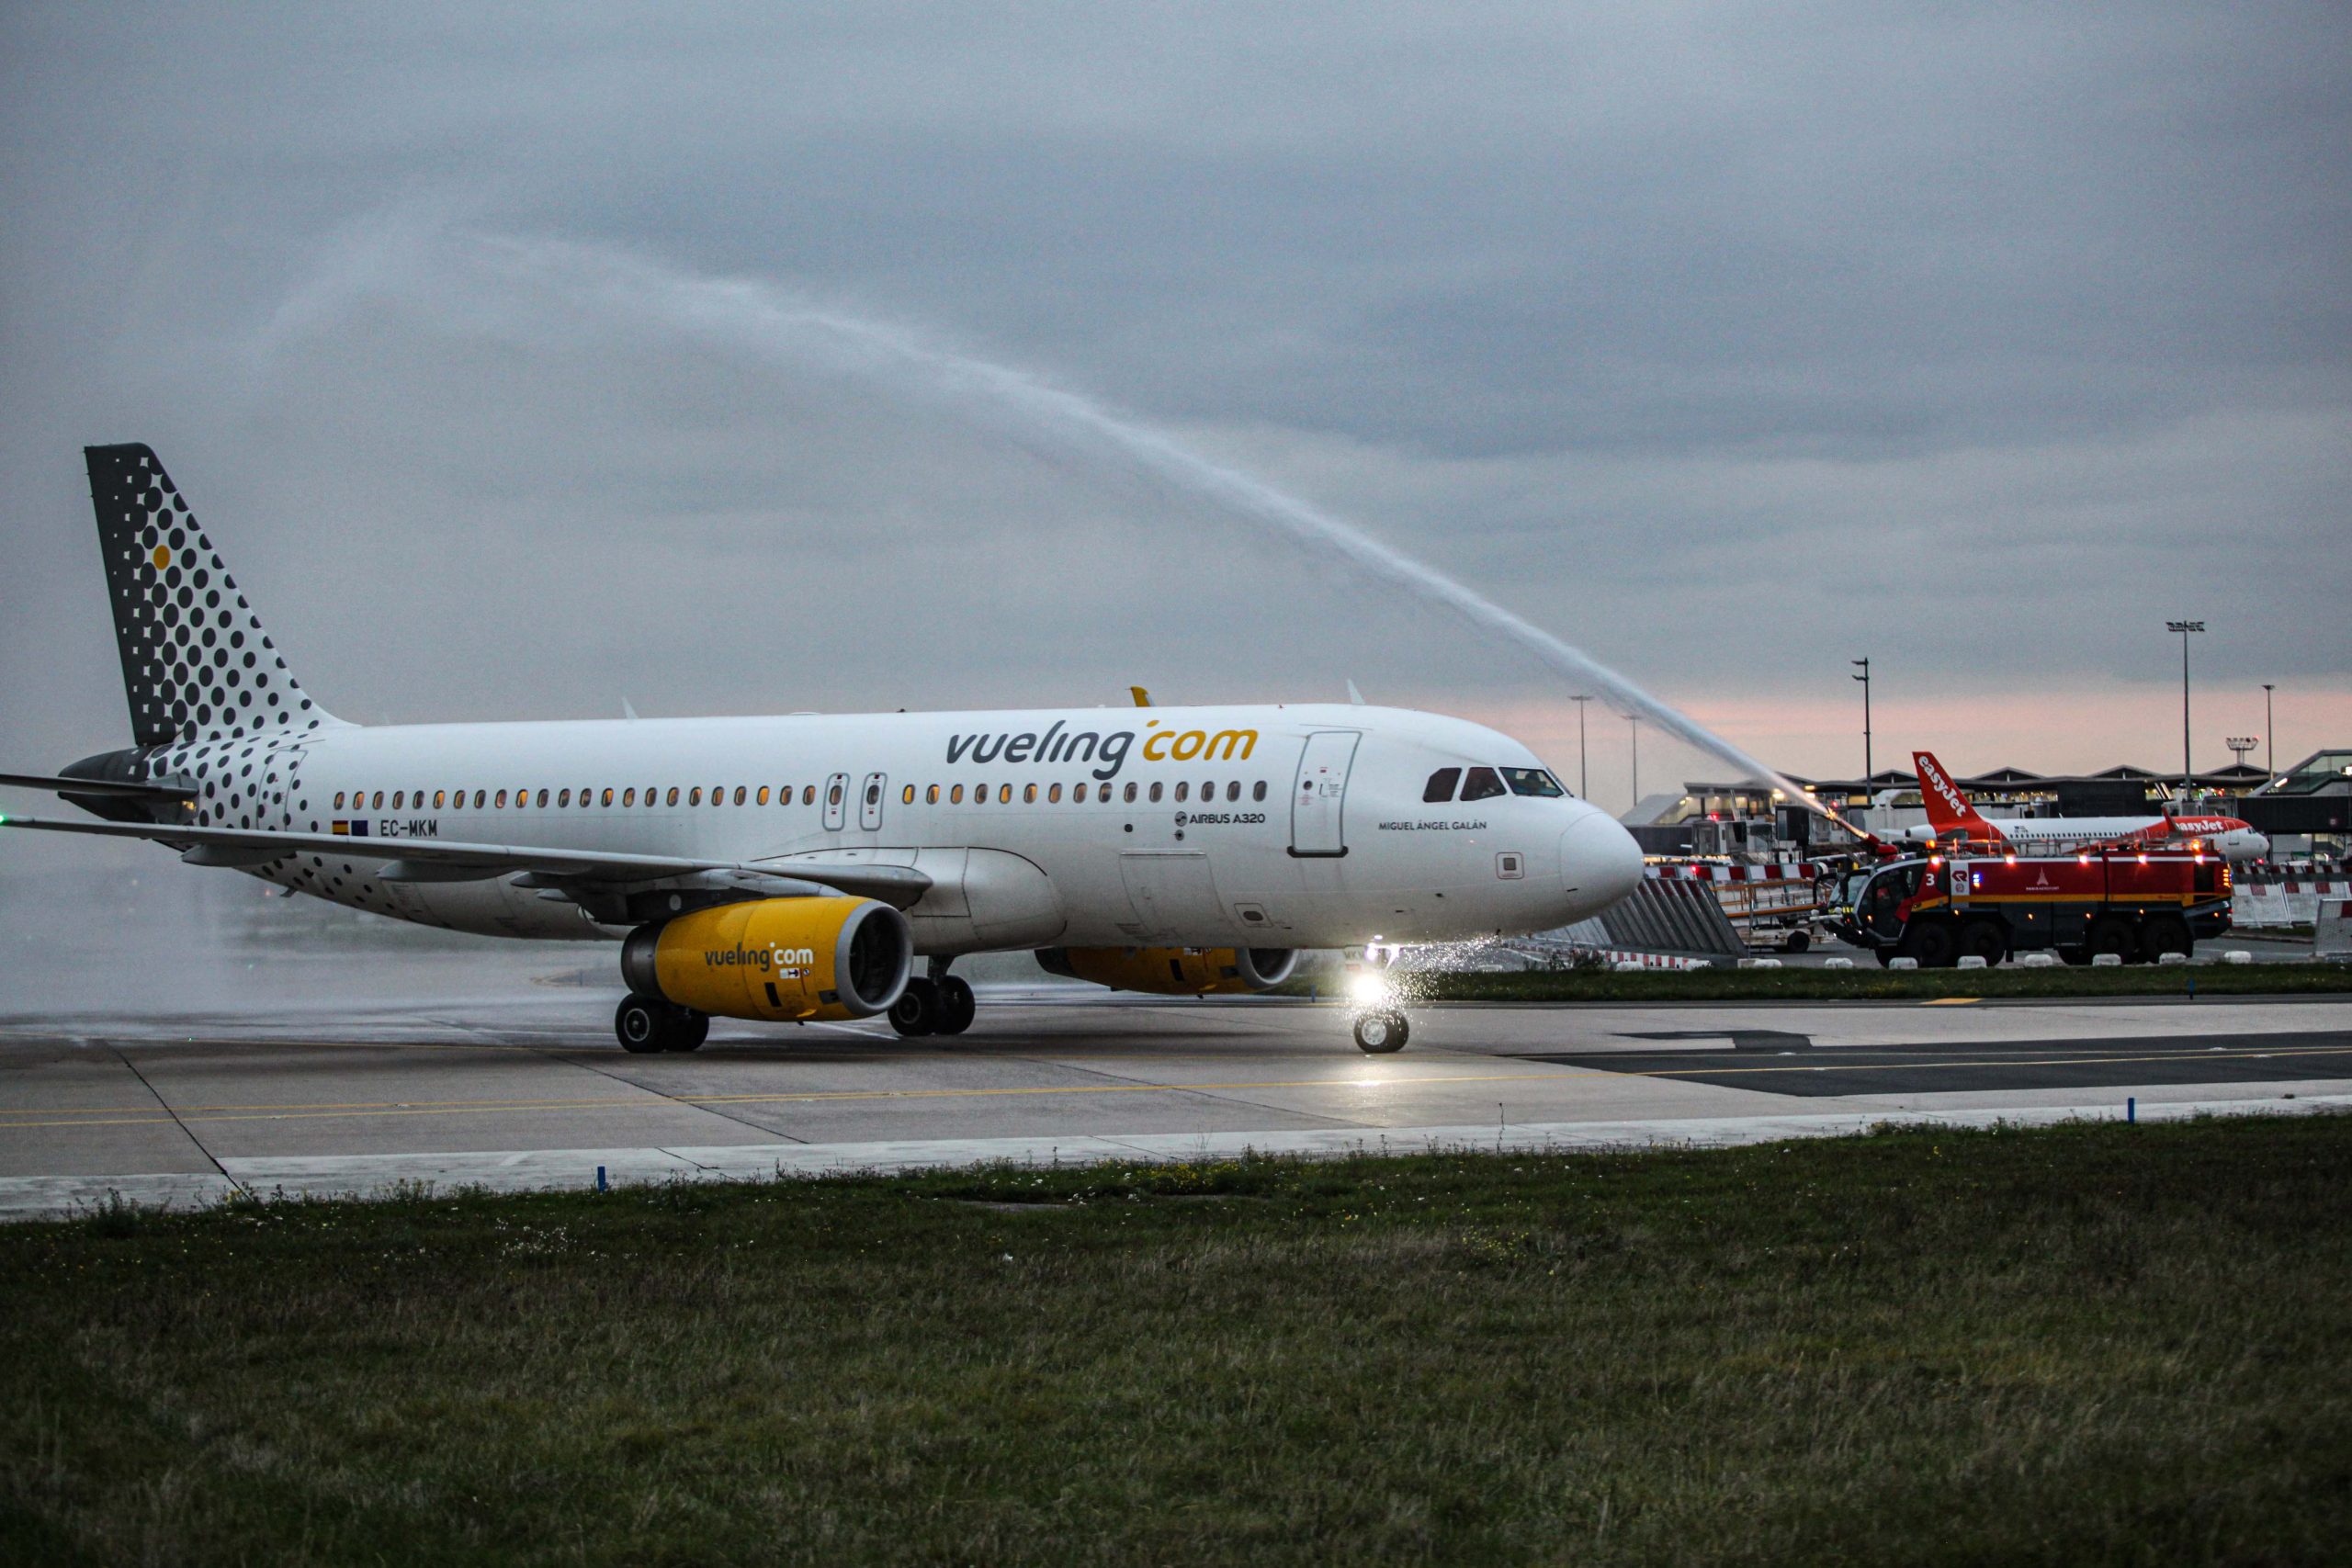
(869, 802)
(1318, 795)
(836, 802)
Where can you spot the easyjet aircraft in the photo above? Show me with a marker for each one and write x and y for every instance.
(792, 869)
(1951, 815)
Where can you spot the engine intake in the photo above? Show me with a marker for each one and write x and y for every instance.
(776, 959)
(1174, 971)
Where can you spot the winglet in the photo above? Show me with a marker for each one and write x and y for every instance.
(1143, 698)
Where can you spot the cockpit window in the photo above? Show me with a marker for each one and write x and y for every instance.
(1531, 781)
(1441, 785)
(1481, 785)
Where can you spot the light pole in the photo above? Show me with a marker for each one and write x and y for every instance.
(1865, 679)
(2187, 774)
(2269, 733)
(1584, 781)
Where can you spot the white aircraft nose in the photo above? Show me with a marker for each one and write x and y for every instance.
(1599, 862)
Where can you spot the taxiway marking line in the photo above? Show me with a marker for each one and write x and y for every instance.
(1992, 1062)
(108, 1116)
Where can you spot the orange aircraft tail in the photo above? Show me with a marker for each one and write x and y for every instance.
(1949, 811)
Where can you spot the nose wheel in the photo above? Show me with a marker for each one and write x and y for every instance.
(1382, 1031)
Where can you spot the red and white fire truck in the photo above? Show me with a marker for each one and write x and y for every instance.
(2138, 905)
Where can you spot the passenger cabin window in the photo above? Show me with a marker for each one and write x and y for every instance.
(1483, 783)
(478, 800)
(564, 799)
(1233, 790)
(674, 794)
(956, 796)
(1183, 789)
(930, 795)
(1054, 795)
(808, 794)
(764, 795)
(1532, 781)
(338, 800)
(907, 796)
(1155, 790)
(739, 794)
(1441, 785)
(1028, 794)
(1079, 795)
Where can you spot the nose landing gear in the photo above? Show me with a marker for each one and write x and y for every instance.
(1382, 1031)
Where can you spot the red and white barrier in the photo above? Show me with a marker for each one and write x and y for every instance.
(1794, 871)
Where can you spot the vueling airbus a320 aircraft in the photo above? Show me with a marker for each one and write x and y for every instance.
(793, 869)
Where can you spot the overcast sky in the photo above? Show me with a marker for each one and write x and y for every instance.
(520, 366)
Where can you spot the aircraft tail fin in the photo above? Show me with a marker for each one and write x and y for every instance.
(195, 662)
(1948, 808)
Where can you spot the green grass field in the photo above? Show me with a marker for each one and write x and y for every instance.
(2090, 1344)
(1866, 984)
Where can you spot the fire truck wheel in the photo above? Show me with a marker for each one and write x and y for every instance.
(1934, 944)
(1984, 939)
(2161, 934)
(2114, 933)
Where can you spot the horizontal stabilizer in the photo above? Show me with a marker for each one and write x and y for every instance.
(117, 788)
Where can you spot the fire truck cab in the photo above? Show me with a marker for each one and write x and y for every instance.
(1940, 908)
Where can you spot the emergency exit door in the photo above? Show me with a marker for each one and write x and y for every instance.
(1319, 796)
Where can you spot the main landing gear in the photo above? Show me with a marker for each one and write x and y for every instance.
(939, 1003)
(647, 1025)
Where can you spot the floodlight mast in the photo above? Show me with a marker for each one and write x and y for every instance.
(1865, 679)
(2187, 774)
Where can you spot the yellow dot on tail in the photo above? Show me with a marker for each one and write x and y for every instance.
(161, 558)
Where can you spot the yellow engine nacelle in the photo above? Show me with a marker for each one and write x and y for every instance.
(1174, 971)
(776, 959)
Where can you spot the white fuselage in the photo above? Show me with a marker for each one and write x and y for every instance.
(2230, 838)
(1274, 827)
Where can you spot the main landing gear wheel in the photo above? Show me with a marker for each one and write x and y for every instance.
(917, 1011)
(647, 1025)
(956, 1005)
(1382, 1032)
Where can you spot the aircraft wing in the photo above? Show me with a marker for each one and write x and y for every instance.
(442, 860)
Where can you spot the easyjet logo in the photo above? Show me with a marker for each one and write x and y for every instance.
(1951, 798)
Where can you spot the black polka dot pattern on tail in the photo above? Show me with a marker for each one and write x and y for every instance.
(197, 665)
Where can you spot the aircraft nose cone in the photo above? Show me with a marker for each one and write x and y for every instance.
(1600, 861)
